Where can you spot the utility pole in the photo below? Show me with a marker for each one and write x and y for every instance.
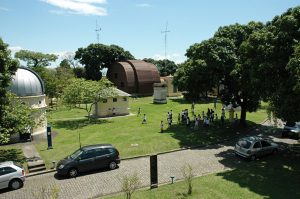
(166, 34)
(97, 30)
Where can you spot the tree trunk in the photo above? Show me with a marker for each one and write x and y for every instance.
(243, 116)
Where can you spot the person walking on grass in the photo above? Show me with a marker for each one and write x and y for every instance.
(188, 121)
(144, 119)
(196, 124)
(169, 122)
(161, 126)
(139, 111)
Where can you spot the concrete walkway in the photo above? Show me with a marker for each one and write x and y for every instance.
(30, 151)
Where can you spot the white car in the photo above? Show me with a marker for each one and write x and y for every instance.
(11, 176)
(253, 147)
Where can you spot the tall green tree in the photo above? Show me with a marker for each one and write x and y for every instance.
(274, 52)
(98, 56)
(217, 61)
(35, 59)
(240, 83)
(8, 67)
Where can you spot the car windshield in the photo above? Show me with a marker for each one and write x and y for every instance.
(291, 124)
(76, 154)
(244, 143)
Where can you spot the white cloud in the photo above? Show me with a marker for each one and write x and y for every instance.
(4, 9)
(143, 5)
(84, 7)
(176, 57)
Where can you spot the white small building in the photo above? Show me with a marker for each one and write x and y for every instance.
(113, 106)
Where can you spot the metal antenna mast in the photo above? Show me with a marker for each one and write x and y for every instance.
(97, 31)
(166, 33)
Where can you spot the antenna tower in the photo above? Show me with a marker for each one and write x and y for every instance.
(97, 30)
(166, 34)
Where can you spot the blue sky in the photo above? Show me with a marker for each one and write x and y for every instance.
(63, 26)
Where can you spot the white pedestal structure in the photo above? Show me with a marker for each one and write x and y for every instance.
(160, 93)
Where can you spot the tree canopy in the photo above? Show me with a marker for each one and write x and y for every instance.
(35, 59)
(216, 61)
(98, 56)
(165, 67)
(14, 115)
(254, 62)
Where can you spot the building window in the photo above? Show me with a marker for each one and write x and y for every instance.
(104, 100)
(116, 75)
(115, 100)
(122, 84)
(124, 99)
(40, 102)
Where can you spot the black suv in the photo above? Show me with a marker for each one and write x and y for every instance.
(89, 158)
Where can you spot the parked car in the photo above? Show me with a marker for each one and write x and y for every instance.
(11, 175)
(89, 158)
(253, 147)
(291, 129)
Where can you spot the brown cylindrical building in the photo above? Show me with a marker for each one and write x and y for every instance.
(134, 76)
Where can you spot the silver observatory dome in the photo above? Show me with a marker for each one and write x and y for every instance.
(26, 82)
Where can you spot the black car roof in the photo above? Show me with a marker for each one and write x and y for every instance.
(96, 146)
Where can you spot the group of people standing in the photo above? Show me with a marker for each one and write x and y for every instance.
(183, 118)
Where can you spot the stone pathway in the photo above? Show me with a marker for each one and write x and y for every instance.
(30, 152)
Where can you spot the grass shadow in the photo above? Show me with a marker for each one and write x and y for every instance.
(79, 123)
(188, 137)
(274, 176)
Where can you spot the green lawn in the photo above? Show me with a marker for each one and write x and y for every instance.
(273, 177)
(125, 131)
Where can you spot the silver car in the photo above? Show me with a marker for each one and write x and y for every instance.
(11, 176)
(253, 147)
(291, 129)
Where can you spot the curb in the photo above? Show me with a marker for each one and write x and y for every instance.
(39, 173)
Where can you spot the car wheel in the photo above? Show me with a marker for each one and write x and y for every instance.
(253, 157)
(73, 173)
(15, 184)
(112, 165)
